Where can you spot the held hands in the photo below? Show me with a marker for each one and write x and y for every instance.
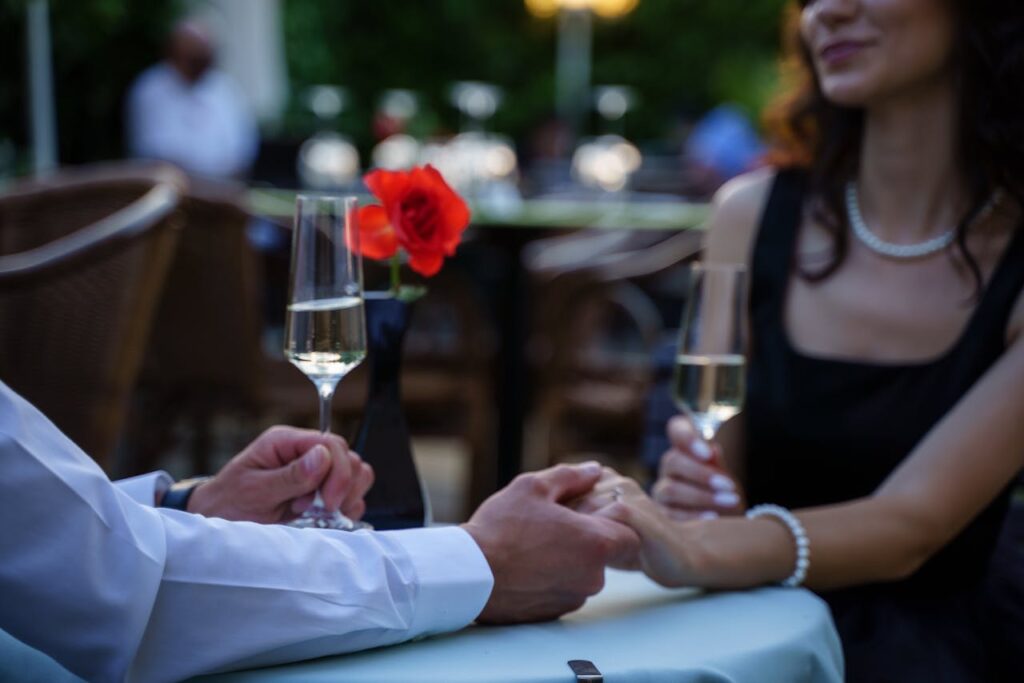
(546, 558)
(663, 552)
(275, 478)
(692, 479)
(693, 484)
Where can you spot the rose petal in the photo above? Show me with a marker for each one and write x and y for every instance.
(426, 263)
(377, 238)
(388, 186)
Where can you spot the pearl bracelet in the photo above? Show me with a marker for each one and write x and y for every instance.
(803, 545)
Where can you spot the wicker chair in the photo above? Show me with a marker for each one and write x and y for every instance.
(595, 328)
(83, 255)
(204, 357)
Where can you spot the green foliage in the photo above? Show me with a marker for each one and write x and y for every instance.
(680, 56)
(98, 47)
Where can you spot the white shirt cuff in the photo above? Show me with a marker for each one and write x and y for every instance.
(144, 488)
(453, 577)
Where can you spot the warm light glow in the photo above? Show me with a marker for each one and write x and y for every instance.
(609, 9)
(543, 8)
(612, 9)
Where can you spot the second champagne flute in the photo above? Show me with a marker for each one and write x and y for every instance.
(325, 329)
(710, 373)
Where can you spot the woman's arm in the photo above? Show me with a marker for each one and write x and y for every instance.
(943, 484)
(963, 463)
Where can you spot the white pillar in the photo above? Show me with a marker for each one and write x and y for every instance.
(250, 48)
(572, 68)
(42, 121)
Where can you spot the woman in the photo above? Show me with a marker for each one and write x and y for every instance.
(886, 359)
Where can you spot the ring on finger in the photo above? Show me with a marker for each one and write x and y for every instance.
(617, 493)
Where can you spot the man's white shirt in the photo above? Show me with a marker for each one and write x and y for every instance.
(114, 589)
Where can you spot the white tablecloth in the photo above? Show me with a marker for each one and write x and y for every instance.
(633, 631)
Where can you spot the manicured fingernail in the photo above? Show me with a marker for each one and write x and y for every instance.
(710, 514)
(720, 482)
(314, 459)
(726, 499)
(701, 449)
(590, 467)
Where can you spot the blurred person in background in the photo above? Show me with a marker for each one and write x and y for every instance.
(185, 111)
(886, 354)
(722, 145)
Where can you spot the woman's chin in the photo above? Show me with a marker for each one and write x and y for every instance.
(847, 95)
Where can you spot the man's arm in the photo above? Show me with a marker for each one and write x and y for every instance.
(117, 591)
(114, 590)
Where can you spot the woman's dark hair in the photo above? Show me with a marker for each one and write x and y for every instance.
(809, 131)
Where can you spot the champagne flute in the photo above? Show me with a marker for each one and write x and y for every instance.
(710, 378)
(325, 329)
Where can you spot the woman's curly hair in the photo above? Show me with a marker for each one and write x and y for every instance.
(809, 131)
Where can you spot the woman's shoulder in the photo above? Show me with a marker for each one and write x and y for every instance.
(735, 215)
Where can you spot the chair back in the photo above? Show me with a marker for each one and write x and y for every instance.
(204, 358)
(83, 255)
(594, 329)
(208, 322)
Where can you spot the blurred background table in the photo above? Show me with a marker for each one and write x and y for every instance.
(625, 213)
(633, 631)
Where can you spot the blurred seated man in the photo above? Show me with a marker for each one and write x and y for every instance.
(185, 111)
(115, 589)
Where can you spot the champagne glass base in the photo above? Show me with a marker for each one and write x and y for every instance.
(317, 517)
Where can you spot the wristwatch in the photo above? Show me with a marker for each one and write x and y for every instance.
(176, 497)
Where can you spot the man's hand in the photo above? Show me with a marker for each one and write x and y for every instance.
(275, 478)
(546, 559)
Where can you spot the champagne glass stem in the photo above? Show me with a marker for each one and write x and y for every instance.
(316, 515)
(326, 389)
(707, 425)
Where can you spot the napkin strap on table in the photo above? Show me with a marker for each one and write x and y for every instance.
(585, 671)
(803, 545)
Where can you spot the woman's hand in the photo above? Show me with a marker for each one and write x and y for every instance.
(692, 479)
(662, 555)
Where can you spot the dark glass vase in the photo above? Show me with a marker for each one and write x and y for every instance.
(397, 499)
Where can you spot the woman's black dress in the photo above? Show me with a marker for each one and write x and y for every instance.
(823, 431)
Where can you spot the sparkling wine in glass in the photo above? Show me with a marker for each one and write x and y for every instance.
(325, 328)
(710, 373)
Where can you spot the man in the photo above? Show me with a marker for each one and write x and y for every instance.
(116, 590)
(185, 111)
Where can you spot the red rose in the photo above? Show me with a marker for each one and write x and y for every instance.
(377, 238)
(421, 213)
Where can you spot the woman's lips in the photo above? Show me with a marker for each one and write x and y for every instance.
(835, 54)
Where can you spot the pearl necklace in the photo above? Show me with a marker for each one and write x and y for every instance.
(903, 251)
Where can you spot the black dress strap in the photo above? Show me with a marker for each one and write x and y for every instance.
(999, 297)
(775, 243)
